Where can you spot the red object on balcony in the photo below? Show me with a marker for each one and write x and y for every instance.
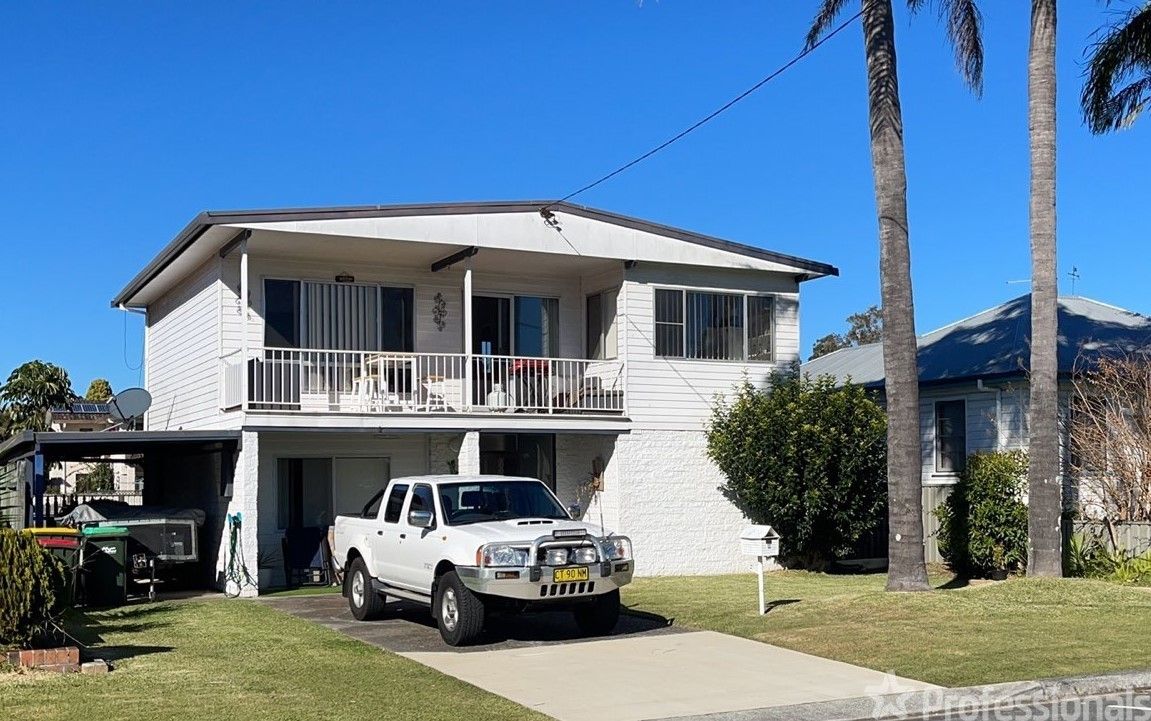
(530, 365)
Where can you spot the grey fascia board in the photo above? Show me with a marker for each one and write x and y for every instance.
(207, 219)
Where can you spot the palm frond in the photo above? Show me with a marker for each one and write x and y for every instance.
(965, 33)
(1123, 51)
(827, 14)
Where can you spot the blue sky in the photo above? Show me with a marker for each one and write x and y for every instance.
(121, 121)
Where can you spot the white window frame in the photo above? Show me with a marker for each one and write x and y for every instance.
(935, 472)
(684, 290)
(603, 330)
(378, 285)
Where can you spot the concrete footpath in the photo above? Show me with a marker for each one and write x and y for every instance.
(646, 670)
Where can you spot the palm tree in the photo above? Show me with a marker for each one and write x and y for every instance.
(906, 568)
(31, 390)
(1122, 54)
(1044, 485)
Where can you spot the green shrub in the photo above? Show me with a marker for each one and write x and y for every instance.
(983, 523)
(1089, 557)
(31, 589)
(806, 457)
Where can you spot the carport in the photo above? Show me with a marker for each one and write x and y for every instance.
(191, 469)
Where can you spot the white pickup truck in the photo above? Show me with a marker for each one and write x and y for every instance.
(467, 545)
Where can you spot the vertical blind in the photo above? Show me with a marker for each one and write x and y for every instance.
(713, 326)
(339, 316)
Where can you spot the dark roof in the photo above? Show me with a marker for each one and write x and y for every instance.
(61, 446)
(996, 344)
(210, 218)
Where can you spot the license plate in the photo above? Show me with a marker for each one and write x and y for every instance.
(564, 575)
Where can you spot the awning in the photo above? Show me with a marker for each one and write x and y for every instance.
(74, 446)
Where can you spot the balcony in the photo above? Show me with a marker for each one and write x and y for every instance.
(291, 380)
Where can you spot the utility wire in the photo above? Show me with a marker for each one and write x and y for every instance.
(780, 71)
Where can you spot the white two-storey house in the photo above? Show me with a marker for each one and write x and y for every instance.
(351, 345)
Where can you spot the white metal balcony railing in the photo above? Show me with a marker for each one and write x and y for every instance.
(334, 381)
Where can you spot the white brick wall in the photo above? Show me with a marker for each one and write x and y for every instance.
(575, 456)
(671, 506)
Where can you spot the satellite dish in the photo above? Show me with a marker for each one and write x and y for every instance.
(129, 404)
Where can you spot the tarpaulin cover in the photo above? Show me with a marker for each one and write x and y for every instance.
(97, 511)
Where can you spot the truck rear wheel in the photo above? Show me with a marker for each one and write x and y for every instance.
(599, 617)
(459, 612)
(365, 603)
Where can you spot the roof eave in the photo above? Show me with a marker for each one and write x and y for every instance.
(201, 223)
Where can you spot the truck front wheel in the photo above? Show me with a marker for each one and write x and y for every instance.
(459, 612)
(599, 617)
(366, 604)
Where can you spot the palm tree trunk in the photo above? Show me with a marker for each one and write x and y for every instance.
(906, 568)
(1045, 492)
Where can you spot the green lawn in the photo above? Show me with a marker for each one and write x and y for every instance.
(243, 660)
(1018, 629)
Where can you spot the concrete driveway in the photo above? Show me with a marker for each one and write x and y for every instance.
(648, 668)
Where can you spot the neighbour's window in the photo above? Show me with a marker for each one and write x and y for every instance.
(395, 503)
(702, 325)
(602, 341)
(950, 436)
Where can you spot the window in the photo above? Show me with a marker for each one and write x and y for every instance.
(337, 316)
(281, 313)
(950, 436)
(602, 341)
(372, 507)
(702, 325)
(537, 327)
(423, 499)
(669, 323)
(760, 327)
(395, 503)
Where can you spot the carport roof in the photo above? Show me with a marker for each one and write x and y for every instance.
(74, 445)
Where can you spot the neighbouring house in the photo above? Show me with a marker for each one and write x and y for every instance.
(298, 359)
(973, 391)
(67, 477)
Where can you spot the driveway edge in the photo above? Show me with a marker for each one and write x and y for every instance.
(919, 703)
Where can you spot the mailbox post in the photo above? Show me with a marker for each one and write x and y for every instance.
(761, 542)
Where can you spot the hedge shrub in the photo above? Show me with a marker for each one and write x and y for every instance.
(31, 589)
(807, 457)
(983, 523)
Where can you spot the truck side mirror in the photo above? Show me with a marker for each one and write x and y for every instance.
(575, 511)
(421, 519)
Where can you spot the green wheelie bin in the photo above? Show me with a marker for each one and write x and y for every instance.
(106, 572)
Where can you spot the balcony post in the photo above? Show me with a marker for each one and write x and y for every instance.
(245, 290)
(469, 366)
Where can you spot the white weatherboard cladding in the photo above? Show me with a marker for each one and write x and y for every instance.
(527, 231)
(183, 342)
(679, 394)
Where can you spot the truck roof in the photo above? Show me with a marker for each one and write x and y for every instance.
(460, 478)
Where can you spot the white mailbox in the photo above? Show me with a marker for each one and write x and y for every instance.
(760, 541)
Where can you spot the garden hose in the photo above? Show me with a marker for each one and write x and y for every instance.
(237, 571)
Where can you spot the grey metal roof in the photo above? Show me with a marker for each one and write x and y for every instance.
(68, 445)
(995, 343)
(207, 219)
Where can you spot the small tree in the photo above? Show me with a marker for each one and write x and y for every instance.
(983, 523)
(31, 590)
(99, 479)
(1110, 433)
(99, 391)
(806, 457)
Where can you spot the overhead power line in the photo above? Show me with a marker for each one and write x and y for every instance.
(779, 71)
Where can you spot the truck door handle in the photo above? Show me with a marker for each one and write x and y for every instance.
(403, 535)
(379, 533)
